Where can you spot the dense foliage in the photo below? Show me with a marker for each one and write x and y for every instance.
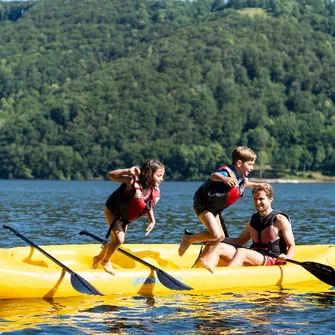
(91, 85)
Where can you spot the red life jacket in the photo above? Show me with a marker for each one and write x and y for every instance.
(234, 193)
(138, 205)
(227, 195)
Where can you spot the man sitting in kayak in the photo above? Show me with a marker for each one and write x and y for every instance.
(269, 230)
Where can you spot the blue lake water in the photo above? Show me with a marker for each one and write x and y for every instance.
(53, 212)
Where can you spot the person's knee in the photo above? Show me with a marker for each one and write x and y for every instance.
(119, 239)
(241, 252)
(225, 252)
(217, 236)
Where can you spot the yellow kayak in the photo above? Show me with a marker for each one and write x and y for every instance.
(25, 272)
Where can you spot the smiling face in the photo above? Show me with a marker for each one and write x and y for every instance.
(262, 202)
(152, 173)
(244, 168)
(158, 177)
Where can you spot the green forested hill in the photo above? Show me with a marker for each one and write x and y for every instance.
(90, 85)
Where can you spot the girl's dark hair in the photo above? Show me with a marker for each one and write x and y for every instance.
(149, 167)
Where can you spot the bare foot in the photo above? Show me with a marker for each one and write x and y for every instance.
(96, 262)
(197, 264)
(184, 244)
(108, 267)
(207, 266)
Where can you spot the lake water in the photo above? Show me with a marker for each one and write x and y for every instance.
(53, 212)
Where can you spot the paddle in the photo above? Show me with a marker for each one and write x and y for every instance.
(321, 271)
(166, 279)
(78, 282)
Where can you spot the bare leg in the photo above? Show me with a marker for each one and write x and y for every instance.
(98, 258)
(209, 258)
(111, 248)
(117, 239)
(187, 240)
(118, 236)
(247, 257)
(214, 232)
(213, 253)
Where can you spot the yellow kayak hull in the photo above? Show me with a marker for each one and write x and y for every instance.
(26, 273)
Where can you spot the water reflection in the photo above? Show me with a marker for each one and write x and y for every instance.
(325, 299)
(245, 312)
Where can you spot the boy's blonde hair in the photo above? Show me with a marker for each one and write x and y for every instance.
(244, 154)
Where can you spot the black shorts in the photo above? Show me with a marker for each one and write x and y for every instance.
(112, 203)
(113, 206)
(200, 208)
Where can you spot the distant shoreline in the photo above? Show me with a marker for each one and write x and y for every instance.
(291, 181)
(258, 180)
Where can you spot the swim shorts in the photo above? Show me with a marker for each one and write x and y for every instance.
(269, 261)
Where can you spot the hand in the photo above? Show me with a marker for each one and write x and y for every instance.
(134, 170)
(282, 257)
(150, 228)
(232, 182)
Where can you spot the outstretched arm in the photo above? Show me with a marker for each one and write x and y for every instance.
(249, 184)
(152, 221)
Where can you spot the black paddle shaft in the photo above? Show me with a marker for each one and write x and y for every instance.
(166, 279)
(38, 248)
(78, 282)
(321, 271)
(85, 232)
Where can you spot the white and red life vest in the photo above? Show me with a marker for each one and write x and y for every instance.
(138, 204)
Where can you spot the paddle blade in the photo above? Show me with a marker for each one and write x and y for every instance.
(171, 282)
(83, 286)
(321, 271)
(166, 279)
